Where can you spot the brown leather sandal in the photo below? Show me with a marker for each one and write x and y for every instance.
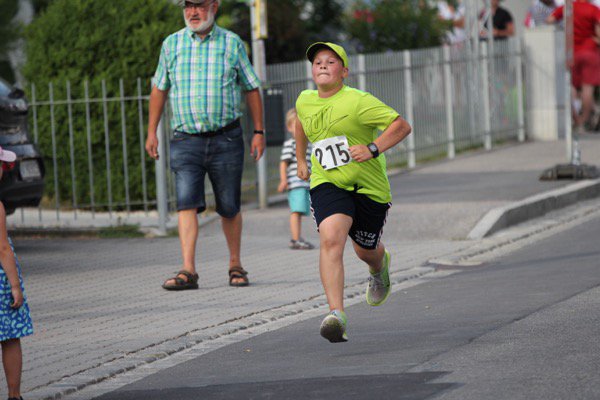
(238, 273)
(180, 283)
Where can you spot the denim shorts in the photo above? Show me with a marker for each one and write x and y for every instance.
(299, 200)
(221, 157)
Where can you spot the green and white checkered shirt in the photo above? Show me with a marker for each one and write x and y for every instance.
(204, 77)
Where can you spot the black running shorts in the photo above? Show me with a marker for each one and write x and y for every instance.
(368, 215)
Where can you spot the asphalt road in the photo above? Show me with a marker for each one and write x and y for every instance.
(525, 326)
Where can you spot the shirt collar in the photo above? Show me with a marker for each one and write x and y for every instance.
(216, 30)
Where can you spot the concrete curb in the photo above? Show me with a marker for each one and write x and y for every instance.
(534, 207)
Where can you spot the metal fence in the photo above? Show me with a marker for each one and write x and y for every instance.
(456, 98)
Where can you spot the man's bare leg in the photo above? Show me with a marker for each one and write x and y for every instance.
(232, 229)
(188, 235)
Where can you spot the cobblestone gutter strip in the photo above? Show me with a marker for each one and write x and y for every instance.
(204, 340)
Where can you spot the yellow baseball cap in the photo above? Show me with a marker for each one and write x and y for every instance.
(337, 49)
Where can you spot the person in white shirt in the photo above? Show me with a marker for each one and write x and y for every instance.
(453, 11)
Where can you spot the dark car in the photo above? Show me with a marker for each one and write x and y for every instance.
(22, 183)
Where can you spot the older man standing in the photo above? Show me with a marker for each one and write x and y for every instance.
(201, 70)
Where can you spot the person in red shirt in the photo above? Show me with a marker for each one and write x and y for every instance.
(586, 53)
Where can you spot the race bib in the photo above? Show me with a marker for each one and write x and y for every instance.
(332, 152)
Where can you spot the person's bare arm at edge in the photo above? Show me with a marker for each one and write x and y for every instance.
(301, 145)
(7, 258)
(254, 101)
(394, 134)
(158, 98)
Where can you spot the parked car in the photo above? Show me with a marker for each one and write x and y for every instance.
(22, 183)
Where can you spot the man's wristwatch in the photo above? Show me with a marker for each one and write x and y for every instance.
(373, 149)
(259, 131)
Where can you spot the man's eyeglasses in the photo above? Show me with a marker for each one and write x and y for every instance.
(202, 7)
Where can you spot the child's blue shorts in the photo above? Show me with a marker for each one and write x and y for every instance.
(299, 200)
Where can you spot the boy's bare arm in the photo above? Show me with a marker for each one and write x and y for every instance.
(301, 145)
(282, 176)
(394, 134)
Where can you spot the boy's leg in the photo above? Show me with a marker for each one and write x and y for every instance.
(12, 360)
(333, 233)
(295, 225)
(366, 232)
(373, 258)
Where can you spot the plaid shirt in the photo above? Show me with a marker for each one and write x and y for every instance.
(203, 77)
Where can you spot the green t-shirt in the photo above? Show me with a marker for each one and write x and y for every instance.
(358, 116)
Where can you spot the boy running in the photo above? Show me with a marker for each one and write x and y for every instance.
(350, 193)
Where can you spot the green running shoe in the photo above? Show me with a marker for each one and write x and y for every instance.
(333, 327)
(379, 286)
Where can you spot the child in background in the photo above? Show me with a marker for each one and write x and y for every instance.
(298, 197)
(15, 321)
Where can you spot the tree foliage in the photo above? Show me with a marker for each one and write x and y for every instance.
(40, 5)
(292, 24)
(382, 25)
(9, 33)
(76, 41)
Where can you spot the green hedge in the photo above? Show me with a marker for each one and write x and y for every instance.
(80, 40)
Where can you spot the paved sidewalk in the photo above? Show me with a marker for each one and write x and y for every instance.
(99, 310)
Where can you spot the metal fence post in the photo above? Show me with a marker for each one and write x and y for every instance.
(72, 150)
(161, 178)
(258, 58)
(107, 148)
(408, 100)
(35, 134)
(362, 73)
(487, 134)
(54, 157)
(448, 100)
(310, 85)
(520, 108)
(88, 127)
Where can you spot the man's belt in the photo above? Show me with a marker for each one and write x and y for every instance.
(229, 127)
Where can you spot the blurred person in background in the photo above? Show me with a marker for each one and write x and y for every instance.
(503, 23)
(585, 73)
(453, 11)
(539, 11)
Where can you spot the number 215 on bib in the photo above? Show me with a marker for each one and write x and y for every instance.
(332, 152)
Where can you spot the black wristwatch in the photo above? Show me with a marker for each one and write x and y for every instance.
(259, 131)
(373, 149)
